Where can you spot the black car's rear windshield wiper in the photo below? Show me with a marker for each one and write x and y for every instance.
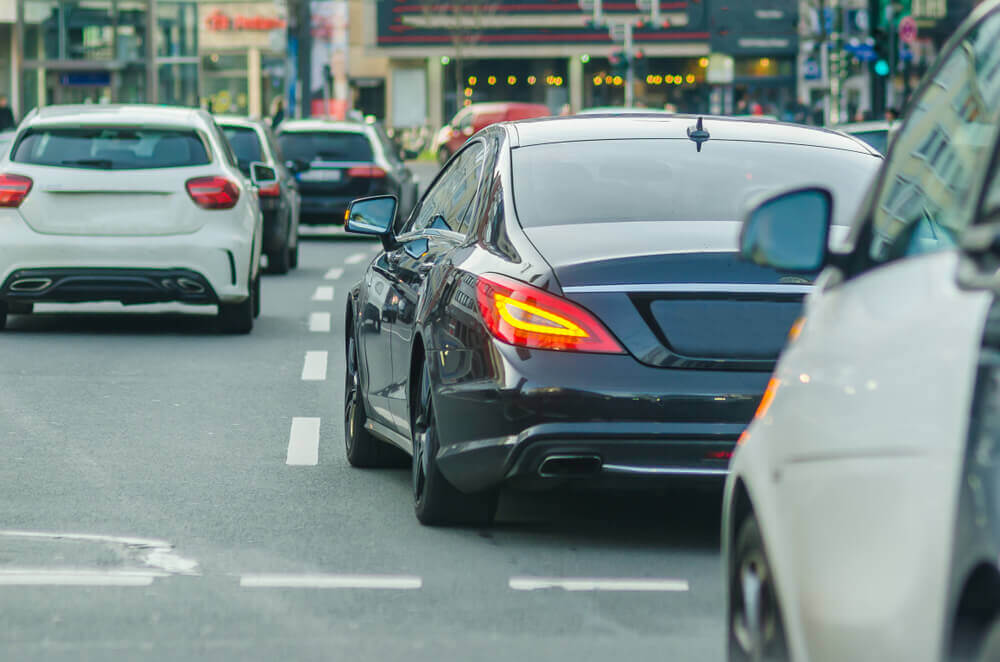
(93, 163)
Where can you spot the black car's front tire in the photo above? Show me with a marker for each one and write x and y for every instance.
(756, 631)
(435, 500)
(363, 449)
(279, 261)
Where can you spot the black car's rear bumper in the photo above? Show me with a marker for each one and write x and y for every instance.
(548, 417)
(129, 286)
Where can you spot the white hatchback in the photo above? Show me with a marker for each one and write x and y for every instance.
(136, 204)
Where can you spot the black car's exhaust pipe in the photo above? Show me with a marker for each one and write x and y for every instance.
(569, 466)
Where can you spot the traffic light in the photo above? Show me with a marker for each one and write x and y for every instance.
(619, 63)
(881, 44)
(881, 68)
(640, 64)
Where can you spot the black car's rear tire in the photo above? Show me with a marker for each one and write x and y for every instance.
(20, 308)
(436, 502)
(280, 260)
(293, 257)
(238, 318)
(989, 650)
(363, 449)
(756, 630)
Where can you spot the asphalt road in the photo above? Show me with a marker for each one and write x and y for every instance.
(149, 510)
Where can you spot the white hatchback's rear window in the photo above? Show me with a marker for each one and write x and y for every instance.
(111, 148)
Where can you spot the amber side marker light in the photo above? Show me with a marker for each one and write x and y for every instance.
(765, 404)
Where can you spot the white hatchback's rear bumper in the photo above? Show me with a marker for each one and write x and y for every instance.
(220, 253)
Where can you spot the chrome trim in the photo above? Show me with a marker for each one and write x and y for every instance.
(719, 288)
(663, 471)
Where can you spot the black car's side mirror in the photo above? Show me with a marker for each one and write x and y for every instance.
(790, 231)
(373, 216)
(263, 175)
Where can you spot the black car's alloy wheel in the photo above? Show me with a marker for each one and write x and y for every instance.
(363, 449)
(756, 632)
(435, 500)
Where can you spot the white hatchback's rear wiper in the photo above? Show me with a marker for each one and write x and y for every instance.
(94, 163)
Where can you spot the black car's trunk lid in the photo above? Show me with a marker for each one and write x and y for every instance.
(676, 294)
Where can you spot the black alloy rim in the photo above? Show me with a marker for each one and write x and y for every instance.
(351, 395)
(423, 428)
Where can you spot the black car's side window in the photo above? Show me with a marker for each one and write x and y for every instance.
(932, 180)
(447, 205)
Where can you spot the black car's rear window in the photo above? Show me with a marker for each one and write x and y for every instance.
(603, 181)
(246, 145)
(309, 146)
(111, 148)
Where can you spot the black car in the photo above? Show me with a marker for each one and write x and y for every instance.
(253, 141)
(566, 302)
(336, 162)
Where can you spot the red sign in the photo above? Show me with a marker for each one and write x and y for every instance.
(336, 109)
(908, 29)
(220, 22)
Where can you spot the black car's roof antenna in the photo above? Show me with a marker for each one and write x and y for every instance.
(698, 134)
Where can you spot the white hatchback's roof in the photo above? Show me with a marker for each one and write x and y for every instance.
(321, 125)
(132, 115)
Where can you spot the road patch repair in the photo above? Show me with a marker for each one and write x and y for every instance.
(35, 558)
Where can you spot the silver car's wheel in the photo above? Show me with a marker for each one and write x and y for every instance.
(755, 627)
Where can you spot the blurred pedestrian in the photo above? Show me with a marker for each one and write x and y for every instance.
(566, 110)
(891, 114)
(6, 115)
(670, 107)
(277, 112)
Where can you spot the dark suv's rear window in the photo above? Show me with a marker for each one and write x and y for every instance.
(309, 146)
(246, 145)
(111, 148)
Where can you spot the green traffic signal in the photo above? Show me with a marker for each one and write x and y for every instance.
(882, 68)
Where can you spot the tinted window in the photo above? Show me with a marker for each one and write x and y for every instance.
(245, 144)
(877, 139)
(931, 183)
(448, 205)
(325, 146)
(601, 181)
(111, 148)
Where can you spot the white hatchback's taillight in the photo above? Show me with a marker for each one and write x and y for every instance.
(13, 190)
(213, 192)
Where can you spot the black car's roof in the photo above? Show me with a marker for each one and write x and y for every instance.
(638, 126)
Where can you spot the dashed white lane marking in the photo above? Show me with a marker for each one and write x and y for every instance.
(77, 577)
(594, 584)
(303, 442)
(323, 293)
(334, 274)
(314, 367)
(354, 259)
(398, 582)
(319, 322)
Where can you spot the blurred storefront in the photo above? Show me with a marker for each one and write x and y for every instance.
(243, 56)
(104, 51)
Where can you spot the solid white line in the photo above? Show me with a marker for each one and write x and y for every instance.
(319, 322)
(155, 553)
(77, 577)
(588, 584)
(314, 367)
(398, 582)
(354, 259)
(334, 274)
(303, 442)
(323, 293)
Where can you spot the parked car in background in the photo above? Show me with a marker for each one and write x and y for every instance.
(5, 139)
(876, 134)
(137, 204)
(620, 110)
(252, 141)
(601, 330)
(472, 119)
(862, 512)
(336, 162)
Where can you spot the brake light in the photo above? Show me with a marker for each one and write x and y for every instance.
(213, 192)
(525, 316)
(272, 191)
(13, 190)
(765, 404)
(366, 172)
